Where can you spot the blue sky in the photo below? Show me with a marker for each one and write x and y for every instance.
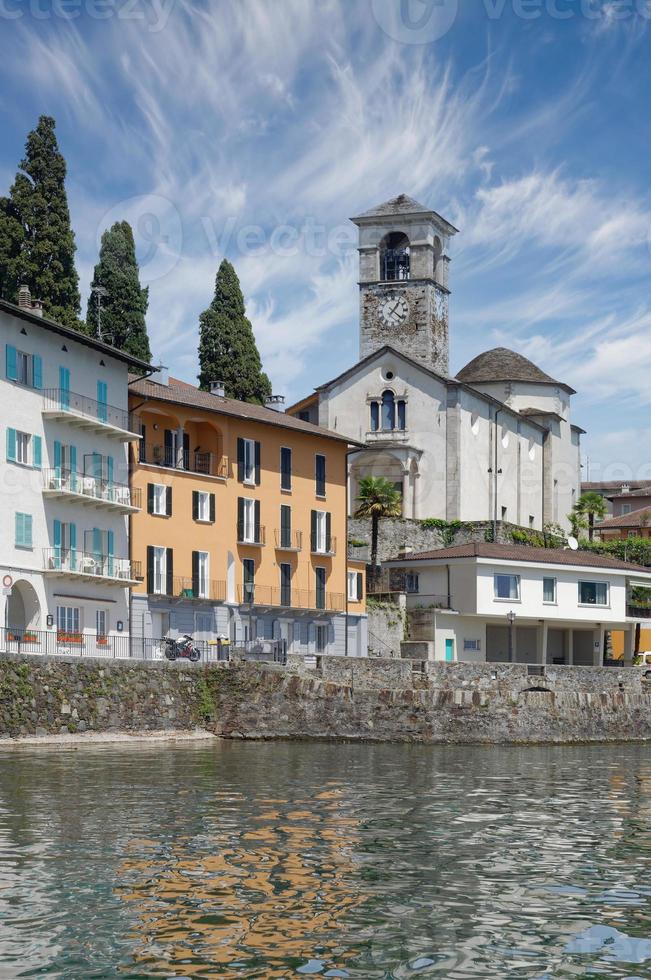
(256, 128)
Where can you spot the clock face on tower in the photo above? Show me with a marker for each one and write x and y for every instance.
(394, 310)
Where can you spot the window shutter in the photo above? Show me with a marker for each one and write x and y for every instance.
(170, 571)
(328, 522)
(57, 458)
(36, 452)
(195, 573)
(150, 569)
(169, 448)
(360, 587)
(73, 458)
(240, 460)
(186, 450)
(257, 464)
(57, 534)
(212, 508)
(72, 532)
(256, 508)
(195, 505)
(110, 543)
(12, 363)
(240, 518)
(97, 542)
(314, 541)
(37, 371)
(150, 498)
(109, 470)
(285, 519)
(28, 530)
(168, 501)
(19, 535)
(142, 448)
(11, 445)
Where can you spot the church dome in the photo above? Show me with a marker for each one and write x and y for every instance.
(502, 364)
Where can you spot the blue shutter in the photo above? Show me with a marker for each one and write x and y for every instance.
(97, 542)
(72, 453)
(36, 452)
(11, 445)
(64, 387)
(37, 371)
(57, 544)
(101, 401)
(57, 460)
(19, 536)
(109, 470)
(72, 532)
(110, 551)
(12, 363)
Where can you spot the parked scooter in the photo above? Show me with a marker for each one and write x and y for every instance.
(181, 648)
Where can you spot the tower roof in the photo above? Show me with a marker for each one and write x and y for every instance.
(502, 364)
(403, 205)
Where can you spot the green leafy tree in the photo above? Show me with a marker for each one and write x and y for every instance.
(377, 498)
(227, 348)
(117, 304)
(591, 506)
(37, 244)
(578, 523)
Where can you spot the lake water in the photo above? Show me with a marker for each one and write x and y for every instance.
(294, 860)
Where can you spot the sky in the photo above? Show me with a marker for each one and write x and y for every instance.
(254, 129)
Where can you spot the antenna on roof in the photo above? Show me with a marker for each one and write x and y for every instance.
(572, 544)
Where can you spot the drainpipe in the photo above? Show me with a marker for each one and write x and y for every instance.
(495, 471)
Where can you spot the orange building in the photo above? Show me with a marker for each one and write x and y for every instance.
(243, 534)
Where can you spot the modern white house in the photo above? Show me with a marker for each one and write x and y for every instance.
(496, 442)
(495, 603)
(64, 543)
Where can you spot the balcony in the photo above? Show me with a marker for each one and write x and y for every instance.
(288, 540)
(327, 549)
(86, 413)
(89, 566)
(269, 597)
(206, 464)
(253, 536)
(66, 485)
(188, 588)
(634, 611)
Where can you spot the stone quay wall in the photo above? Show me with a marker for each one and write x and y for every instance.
(342, 698)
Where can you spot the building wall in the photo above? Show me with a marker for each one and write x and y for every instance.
(23, 485)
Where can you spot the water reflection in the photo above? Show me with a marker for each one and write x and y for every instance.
(279, 861)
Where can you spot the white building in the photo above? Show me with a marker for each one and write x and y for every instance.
(494, 443)
(474, 602)
(64, 546)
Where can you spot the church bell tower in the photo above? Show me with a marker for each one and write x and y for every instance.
(403, 281)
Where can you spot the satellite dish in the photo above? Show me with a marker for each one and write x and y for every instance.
(573, 544)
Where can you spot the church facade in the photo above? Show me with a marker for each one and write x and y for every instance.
(496, 442)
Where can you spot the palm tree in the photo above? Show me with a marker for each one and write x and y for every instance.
(591, 505)
(377, 498)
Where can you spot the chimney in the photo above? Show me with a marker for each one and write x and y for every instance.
(24, 298)
(218, 388)
(275, 402)
(626, 488)
(405, 551)
(37, 307)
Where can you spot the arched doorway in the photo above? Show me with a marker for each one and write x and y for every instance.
(23, 607)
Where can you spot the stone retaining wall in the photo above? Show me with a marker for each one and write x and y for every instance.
(382, 700)
(396, 533)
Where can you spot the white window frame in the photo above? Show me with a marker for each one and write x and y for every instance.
(203, 506)
(554, 601)
(472, 645)
(23, 446)
(160, 500)
(24, 377)
(594, 605)
(498, 598)
(412, 583)
(321, 532)
(160, 570)
(203, 573)
(352, 586)
(249, 462)
(69, 619)
(626, 509)
(101, 618)
(248, 520)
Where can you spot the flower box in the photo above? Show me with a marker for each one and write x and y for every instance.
(23, 637)
(76, 638)
(102, 641)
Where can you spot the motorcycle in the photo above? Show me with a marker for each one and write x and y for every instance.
(182, 648)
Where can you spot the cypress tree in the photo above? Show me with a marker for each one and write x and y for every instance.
(227, 348)
(124, 304)
(37, 244)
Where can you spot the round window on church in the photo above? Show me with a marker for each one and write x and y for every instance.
(389, 375)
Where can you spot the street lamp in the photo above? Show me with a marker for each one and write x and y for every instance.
(511, 618)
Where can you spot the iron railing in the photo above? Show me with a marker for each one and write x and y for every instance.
(189, 588)
(290, 598)
(288, 540)
(634, 611)
(207, 464)
(90, 564)
(105, 491)
(60, 400)
(249, 534)
(52, 643)
(326, 548)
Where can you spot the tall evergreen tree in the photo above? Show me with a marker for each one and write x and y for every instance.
(227, 348)
(121, 308)
(37, 244)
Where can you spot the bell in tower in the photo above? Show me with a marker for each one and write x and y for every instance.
(403, 280)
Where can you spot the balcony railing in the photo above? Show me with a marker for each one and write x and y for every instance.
(58, 482)
(290, 598)
(84, 564)
(85, 411)
(288, 540)
(327, 548)
(208, 464)
(247, 534)
(188, 588)
(634, 611)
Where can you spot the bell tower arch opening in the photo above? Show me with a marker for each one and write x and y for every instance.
(394, 257)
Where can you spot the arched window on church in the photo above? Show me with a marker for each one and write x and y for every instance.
(402, 415)
(388, 411)
(375, 416)
(394, 257)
